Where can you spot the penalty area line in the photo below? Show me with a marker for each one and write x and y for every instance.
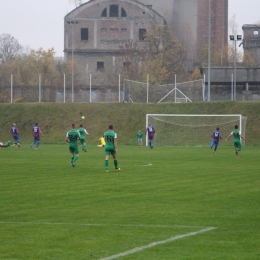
(138, 249)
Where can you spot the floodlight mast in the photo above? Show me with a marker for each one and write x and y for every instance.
(235, 39)
(72, 22)
(209, 50)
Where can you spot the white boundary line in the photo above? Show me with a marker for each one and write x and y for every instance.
(149, 164)
(99, 224)
(137, 249)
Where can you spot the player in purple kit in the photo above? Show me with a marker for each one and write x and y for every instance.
(15, 133)
(36, 131)
(150, 130)
(216, 136)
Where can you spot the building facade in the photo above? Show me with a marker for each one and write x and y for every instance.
(251, 40)
(94, 31)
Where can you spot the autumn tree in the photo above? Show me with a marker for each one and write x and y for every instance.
(27, 68)
(164, 55)
(219, 57)
(248, 59)
(196, 74)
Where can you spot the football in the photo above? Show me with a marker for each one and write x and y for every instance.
(82, 117)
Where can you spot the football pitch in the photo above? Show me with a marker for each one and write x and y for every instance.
(165, 203)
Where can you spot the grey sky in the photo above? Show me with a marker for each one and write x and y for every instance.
(39, 23)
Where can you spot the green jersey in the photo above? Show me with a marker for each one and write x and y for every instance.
(139, 135)
(82, 132)
(7, 144)
(73, 136)
(236, 135)
(110, 136)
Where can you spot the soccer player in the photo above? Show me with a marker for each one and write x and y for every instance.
(15, 133)
(111, 147)
(237, 143)
(102, 142)
(36, 132)
(139, 137)
(82, 132)
(150, 130)
(7, 144)
(216, 136)
(72, 138)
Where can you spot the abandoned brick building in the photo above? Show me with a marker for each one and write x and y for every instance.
(94, 31)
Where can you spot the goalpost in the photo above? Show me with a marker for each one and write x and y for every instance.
(192, 130)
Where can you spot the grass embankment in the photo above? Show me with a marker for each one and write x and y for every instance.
(55, 119)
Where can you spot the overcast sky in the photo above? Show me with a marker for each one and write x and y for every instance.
(39, 23)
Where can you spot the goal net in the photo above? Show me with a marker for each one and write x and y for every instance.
(192, 130)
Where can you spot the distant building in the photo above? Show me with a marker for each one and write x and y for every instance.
(94, 31)
(251, 40)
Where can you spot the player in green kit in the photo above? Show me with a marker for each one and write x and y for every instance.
(72, 138)
(82, 132)
(7, 144)
(139, 137)
(237, 143)
(111, 147)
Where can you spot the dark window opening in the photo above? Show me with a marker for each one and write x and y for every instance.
(142, 33)
(126, 65)
(104, 13)
(100, 65)
(123, 12)
(84, 34)
(113, 10)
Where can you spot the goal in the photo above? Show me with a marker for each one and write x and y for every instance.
(192, 130)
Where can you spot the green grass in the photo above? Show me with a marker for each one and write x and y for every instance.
(50, 210)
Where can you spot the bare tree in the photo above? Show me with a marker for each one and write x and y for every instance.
(233, 25)
(9, 47)
(77, 2)
(132, 58)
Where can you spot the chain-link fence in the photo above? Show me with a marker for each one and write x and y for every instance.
(84, 96)
(59, 94)
(131, 91)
